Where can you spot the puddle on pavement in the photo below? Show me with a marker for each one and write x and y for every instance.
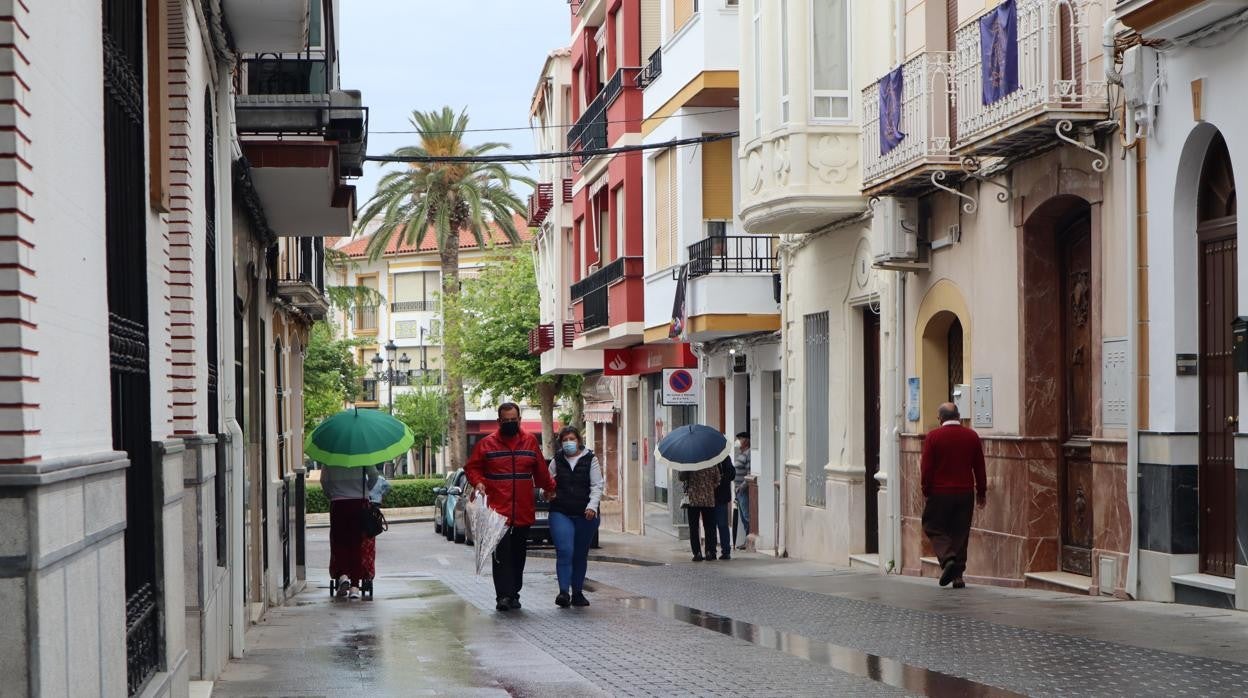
(851, 661)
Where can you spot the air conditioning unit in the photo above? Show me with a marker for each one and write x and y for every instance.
(895, 231)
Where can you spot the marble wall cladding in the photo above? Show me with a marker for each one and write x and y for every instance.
(1241, 517)
(1111, 517)
(1043, 517)
(1041, 554)
(1168, 508)
(994, 555)
(1006, 510)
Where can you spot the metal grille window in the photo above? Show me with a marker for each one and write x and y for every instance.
(954, 353)
(816, 381)
(213, 354)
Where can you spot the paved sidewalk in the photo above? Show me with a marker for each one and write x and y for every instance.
(394, 515)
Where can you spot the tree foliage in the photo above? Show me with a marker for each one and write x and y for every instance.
(331, 376)
(424, 412)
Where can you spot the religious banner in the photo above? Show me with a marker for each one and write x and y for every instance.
(677, 328)
(890, 110)
(998, 51)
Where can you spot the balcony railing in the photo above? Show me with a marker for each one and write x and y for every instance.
(1053, 77)
(733, 254)
(569, 334)
(925, 112)
(652, 70)
(413, 306)
(594, 309)
(567, 190)
(590, 131)
(541, 339)
(540, 203)
(303, 261)
(600, 279)
(365, 319)
(273, 74)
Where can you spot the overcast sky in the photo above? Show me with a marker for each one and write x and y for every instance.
(422, 54)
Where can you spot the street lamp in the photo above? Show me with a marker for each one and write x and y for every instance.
(385, 371)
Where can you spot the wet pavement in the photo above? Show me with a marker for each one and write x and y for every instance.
(750, 626)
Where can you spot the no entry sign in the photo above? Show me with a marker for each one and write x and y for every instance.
(681, 386)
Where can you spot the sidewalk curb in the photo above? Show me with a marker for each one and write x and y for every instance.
(390, 522)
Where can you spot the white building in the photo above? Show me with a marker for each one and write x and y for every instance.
(154, 341)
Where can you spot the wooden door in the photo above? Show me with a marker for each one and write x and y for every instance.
(871, 423)
(1075, 247)
(1219, 399)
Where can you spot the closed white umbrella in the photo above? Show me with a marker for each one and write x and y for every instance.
(488, 528)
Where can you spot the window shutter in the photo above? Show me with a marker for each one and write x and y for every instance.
(673, 211)
(682, 11)
(662, 210)
(717, 180)
(651, 28)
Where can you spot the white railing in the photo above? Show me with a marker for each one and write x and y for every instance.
(1048, 30)
(924, 119)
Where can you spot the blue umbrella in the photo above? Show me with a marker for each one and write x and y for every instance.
(693, 447)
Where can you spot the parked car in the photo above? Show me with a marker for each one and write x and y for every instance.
(539, 532)
(445, 500)
(439, 502)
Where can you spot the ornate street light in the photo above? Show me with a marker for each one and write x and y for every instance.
(391, 369)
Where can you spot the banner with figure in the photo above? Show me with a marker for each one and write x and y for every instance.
(998, 51)
(890, 110)
(677, 328)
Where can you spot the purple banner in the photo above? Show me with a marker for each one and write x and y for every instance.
(998, 51)
(890, 111)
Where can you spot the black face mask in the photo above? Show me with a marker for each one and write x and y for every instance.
(510, 428)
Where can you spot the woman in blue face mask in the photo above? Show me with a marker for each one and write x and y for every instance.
(574, 513)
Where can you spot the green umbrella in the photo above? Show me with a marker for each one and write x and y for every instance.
(358, 438)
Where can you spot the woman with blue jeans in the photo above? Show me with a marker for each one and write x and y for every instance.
(574, 513)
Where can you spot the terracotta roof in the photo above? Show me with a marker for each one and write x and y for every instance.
(358, 247)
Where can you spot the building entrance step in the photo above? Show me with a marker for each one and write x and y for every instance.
(865, 560)
(1059, 581)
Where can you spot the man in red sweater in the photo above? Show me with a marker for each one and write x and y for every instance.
(953, 483)
(504, 467)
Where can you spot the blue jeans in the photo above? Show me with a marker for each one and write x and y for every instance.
(572, 536)
(743, 513)
(724, 528)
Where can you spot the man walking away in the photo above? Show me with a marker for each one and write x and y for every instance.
(504, 467)
(723, 504)
(742, 467)
(954, 482)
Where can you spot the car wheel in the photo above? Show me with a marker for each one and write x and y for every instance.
(437, 524)
(459, 535)
(449, 531)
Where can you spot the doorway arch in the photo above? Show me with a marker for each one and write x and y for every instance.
(943, 355)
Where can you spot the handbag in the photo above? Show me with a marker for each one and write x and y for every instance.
(373, 521)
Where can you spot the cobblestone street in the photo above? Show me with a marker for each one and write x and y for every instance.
(750, 626)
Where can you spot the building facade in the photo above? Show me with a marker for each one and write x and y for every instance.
(154, 517)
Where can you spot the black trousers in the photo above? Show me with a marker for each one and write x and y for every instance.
(508, 563)
(947, 523)
(706, 517)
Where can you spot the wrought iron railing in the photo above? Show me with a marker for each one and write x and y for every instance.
(365, 319)
(924, 111)
(733, 254)
(304, 261)
(614, 271)
(1052, 75)
(652, 70)
(542, 338)
(594, 309)
(413, 306)
(142, 637)
(590, 131)
(540, 202)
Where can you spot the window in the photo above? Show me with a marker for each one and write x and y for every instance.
(816, 381)
(603, 234)
(717, 180)
(665, 209)
(829, 43)
(415, 291)
(618, 49)
(758, 62)
(682, 12)
(617, 204)
(314, 24)
(784, 61)
(366, 317)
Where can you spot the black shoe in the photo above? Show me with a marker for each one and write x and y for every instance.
(711, 557)
(697, 558)
(514, 602)
(959, 583)
(578, 599)
(562, 600)
(504, 603)
(948, 571)
(725, 556)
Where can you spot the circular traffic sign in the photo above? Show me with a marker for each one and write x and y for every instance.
(680, 381)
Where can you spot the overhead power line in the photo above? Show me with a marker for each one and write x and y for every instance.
(560, 155)
(539, 127)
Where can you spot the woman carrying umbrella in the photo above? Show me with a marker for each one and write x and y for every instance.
(696, 451)
(351, 444)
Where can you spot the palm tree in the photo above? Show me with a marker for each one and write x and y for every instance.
(449, 198)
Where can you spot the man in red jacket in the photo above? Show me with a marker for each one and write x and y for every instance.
(953, 483)
(504, 467)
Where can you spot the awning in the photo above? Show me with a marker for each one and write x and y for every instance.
(600, 412)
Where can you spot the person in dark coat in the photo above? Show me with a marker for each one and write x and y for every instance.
(954, 482)
(723, 507)
(504, 467)
(574, 513)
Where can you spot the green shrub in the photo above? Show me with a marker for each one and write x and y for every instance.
(407, 492)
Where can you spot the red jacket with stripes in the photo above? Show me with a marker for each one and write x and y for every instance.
(510, 467)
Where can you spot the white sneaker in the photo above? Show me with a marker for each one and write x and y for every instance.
(355, 593)
(344, 586)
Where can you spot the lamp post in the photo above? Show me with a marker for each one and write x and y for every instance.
(390, 370)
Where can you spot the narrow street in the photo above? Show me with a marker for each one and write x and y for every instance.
(750, 626)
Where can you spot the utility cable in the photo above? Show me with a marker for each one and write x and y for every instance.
(534, 157)
(538, 127)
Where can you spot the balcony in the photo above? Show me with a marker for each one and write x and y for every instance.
(590, 130)
(414, 306)
(1168, 19)
(540, 203)
(609, 305)
(652, 70)
(567, 190)
(904, 170)
(301, 275)
(541, 339)
(730, 288)
(733, 254)
(267, 25)
(1054, 84)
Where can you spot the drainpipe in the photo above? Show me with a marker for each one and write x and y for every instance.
(1112, 76)
(897, 388)
(782, 476)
